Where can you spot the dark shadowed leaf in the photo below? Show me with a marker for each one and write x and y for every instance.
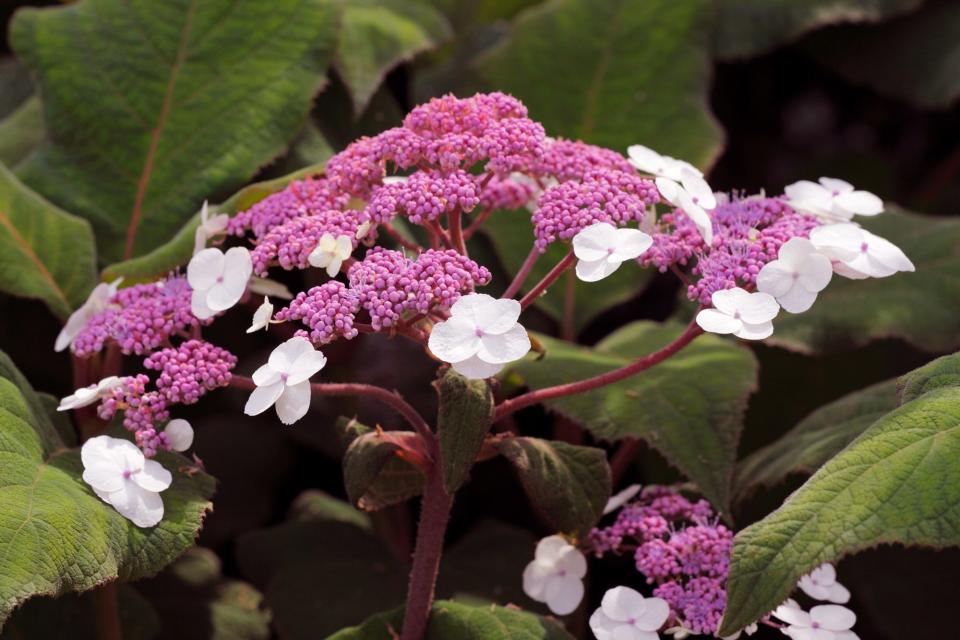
(463, 420)
(21, 132)
(374, 475)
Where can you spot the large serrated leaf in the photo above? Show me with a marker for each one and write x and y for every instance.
(896, 483)
(45, 252)
(463, 420)
(151, 107)
(21, 132)
(689, 407)
(56, 535)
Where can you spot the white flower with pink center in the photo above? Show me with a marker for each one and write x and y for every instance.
(555, 576)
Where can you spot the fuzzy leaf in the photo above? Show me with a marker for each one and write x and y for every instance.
(896, 483)
(689, 407)
(463, 420)
(144, 128)
(566, 484)
(45, 252)
(374, 475)
(21, 132)
(56, 535)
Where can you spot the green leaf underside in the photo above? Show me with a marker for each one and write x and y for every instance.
(463, 420)
(450, 620)
(613, 73)
(816, 438)
(373, 475)
(896, 483)
(45, 252)
(568, 485)
(377, 35)
(747, 28)
(179, 249)
(21, 132)
(689, 407)
(919, 307)
(56, 535)
(153, 107)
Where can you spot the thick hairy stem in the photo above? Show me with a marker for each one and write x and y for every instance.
(522, 274)
(434, 515)
(581, 386)
(440, 235)
(108, 612)
(456, 232)
(548, 279)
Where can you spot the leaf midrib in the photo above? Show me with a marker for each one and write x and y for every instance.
(28, 250)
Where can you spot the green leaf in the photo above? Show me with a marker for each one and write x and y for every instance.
(568, 485)
(942, 372)
(21, 132)
(512, 236)
(377, 35)
(896, 483)
(45, 252)
(816, 438)
(689, 407)
(143, 127)
(613, 73)
(917, 307)
(747, 28)
(317, 505)
(463, 622)
(178, 250)
(463, 421)
(374, 475)
(56, 535)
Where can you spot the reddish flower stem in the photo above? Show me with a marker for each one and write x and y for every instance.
(476, 223)
(440, 234)
(522, 274)
(623, 458)
(398, 237)
(456, 232)
(548, 279)
(581, 386)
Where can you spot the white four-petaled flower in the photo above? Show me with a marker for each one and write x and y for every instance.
(209, 228)
(218, 279)
(624, 614)
(856, 253)
(262, 316)
(555, 576)
(123, 478)
(832, 200)
(285, 380)
(745, 315)
(86, 396)
(330, 253)
(797, 276)
(821, 584)
(95, 303)
(824, 622)
(601, 248)
(179, 434)
(481, 335)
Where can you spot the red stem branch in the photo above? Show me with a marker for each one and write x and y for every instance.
(476, 223)
(522, 274)
(456, 231)
(623, 458)
(398, 237)
(548, 279)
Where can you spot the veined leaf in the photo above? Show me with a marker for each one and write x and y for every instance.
(463, 421)
(21, 132)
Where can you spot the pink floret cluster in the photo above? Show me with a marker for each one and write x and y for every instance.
(573, 160)
(142, 411)
(139, 318)
(424, 197)
(680, 548)
(307, 197)
(290, 243)
(328, 310)
(190, 370)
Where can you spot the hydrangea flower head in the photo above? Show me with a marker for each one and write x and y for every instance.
(96, 302)
(832, 200)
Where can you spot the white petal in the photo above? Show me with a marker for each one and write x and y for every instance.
(725, 300)
(265, 375)
(283, 357)
(80, 398)
(887, 253)
(469, 306)
(334, 267)
(836, 185)
(476, 369)
(217, 224)
(261, 317)
(199, 240)
(505, 347)
(717, 322)
(75, 323)
(550, 549)
(294, 402)
(838, 241)
(622, 604)
(797, 300)
(794, 252)
(792, 614)
(199, 306)
(619, 499)
(535, 579)
(143, 508)
(776, 278)
(320, 257)
(669, 189)
(647, 160)
(103, 477)
(654, 614)
(861, 203)
(816, 273)
(563, 594)
(596, 270)
(305, 366)
(343, 247)
(696, 213)
(838, 594)
(812, 589)
(498, 316)
(757, 307)
(262, 398)
(602, 626)
(631, 243)
(700, 192)
(572, 562)
(153, 477)
(204, 269)
(833, 617)
(595, 242)
(179, 434)
(454, 340)
(824, 574)
(755, 331)
(221, 297)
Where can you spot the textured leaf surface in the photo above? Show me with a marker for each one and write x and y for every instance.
(613, 73)
(454, 620)
(750, 27)
(816, 438)
(463, 420)
(377, 35)
(896, 483)
(56, 535)
(151, 107)
(568, 485)
(689, 407)
(374, 475)
(45, 252)
(918, 307)
(21, 132)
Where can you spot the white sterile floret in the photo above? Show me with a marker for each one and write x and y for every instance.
(330, 253)
(481, 335)
(856, 253)
(832, 200)
(601, 248)
(123, 478)
(209, 228)
(218, 279)
(745, 315)
(86, 396)
(797, 276)
(285, 380)
(624, 614)
(649, 161)
(94, 304)
(179, 434)
(555, 576)
(262, 316)
(619, 499)
(821, 584)
(824, 622)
